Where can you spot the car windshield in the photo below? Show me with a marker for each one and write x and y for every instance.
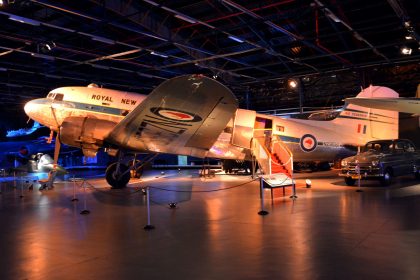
(383, 146)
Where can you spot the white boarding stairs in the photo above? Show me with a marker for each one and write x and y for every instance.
(275, 162)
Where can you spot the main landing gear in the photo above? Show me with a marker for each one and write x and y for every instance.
(118, 174)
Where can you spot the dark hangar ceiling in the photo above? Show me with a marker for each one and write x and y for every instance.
(334, 47)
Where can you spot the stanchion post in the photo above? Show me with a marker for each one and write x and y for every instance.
(85, 211)
(358, 178)
(74, 190)
(148, 226)
(293, 196)
(21, 188)
(262, 212)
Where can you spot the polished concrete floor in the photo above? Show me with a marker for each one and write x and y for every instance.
(329, 232)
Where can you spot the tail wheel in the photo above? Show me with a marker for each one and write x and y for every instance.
(349, 181)
(386, 179)
(117, 180)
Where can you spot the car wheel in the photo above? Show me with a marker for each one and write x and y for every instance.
(349, 181)
(386, 179)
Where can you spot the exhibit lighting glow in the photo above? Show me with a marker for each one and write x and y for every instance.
(236, 39)
(1, 3)
(158, 54)
(408, 37)
(3, 69)
(186, 18)
(406, 51)
(24, 20)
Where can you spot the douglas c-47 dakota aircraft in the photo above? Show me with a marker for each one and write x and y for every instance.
(197, 116)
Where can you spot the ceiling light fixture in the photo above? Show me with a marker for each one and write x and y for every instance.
(100, 66)
(151, 3)
(24, 20)
(236, 39)
(158, 54)
(103, 40)
(292, 83)
(186, 18)
(332, 16)
(38, 55)
(406, 51)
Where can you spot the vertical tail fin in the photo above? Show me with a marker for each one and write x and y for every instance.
(367, 123)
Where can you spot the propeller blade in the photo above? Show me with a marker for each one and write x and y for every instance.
(56, 150)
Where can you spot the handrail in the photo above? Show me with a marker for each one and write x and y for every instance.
(284, 153)
(262, 154)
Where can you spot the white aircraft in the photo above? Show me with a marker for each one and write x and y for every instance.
(198, 116)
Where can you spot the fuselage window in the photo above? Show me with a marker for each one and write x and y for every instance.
(59, 97)
(280, 128)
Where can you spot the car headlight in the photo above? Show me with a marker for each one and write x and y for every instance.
(344, 162)
(375, 162)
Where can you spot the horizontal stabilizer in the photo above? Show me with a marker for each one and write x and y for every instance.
(407, 105)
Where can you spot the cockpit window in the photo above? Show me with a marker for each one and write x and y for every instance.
(59, 97)
(50, 95)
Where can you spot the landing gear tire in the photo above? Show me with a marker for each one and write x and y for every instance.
(349, 181)
(386, 179)
(116, 180)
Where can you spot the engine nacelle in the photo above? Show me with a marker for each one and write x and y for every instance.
(85, 133)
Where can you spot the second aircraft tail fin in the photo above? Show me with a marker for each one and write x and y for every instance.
(366, 123)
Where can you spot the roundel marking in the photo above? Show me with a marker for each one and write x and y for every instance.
(308, 143)
(176, 115)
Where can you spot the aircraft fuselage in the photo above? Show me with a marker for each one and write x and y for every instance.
(309, 140)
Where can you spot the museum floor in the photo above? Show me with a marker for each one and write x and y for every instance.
(329, 232)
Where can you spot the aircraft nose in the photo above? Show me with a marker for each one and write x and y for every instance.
(29, 108)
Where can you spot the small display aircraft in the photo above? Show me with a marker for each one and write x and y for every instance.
(198, 116)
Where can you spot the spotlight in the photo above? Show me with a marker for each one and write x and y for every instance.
(406, 50)
(46, 47)
(293, 83)
(308, 183)
(1, 3)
